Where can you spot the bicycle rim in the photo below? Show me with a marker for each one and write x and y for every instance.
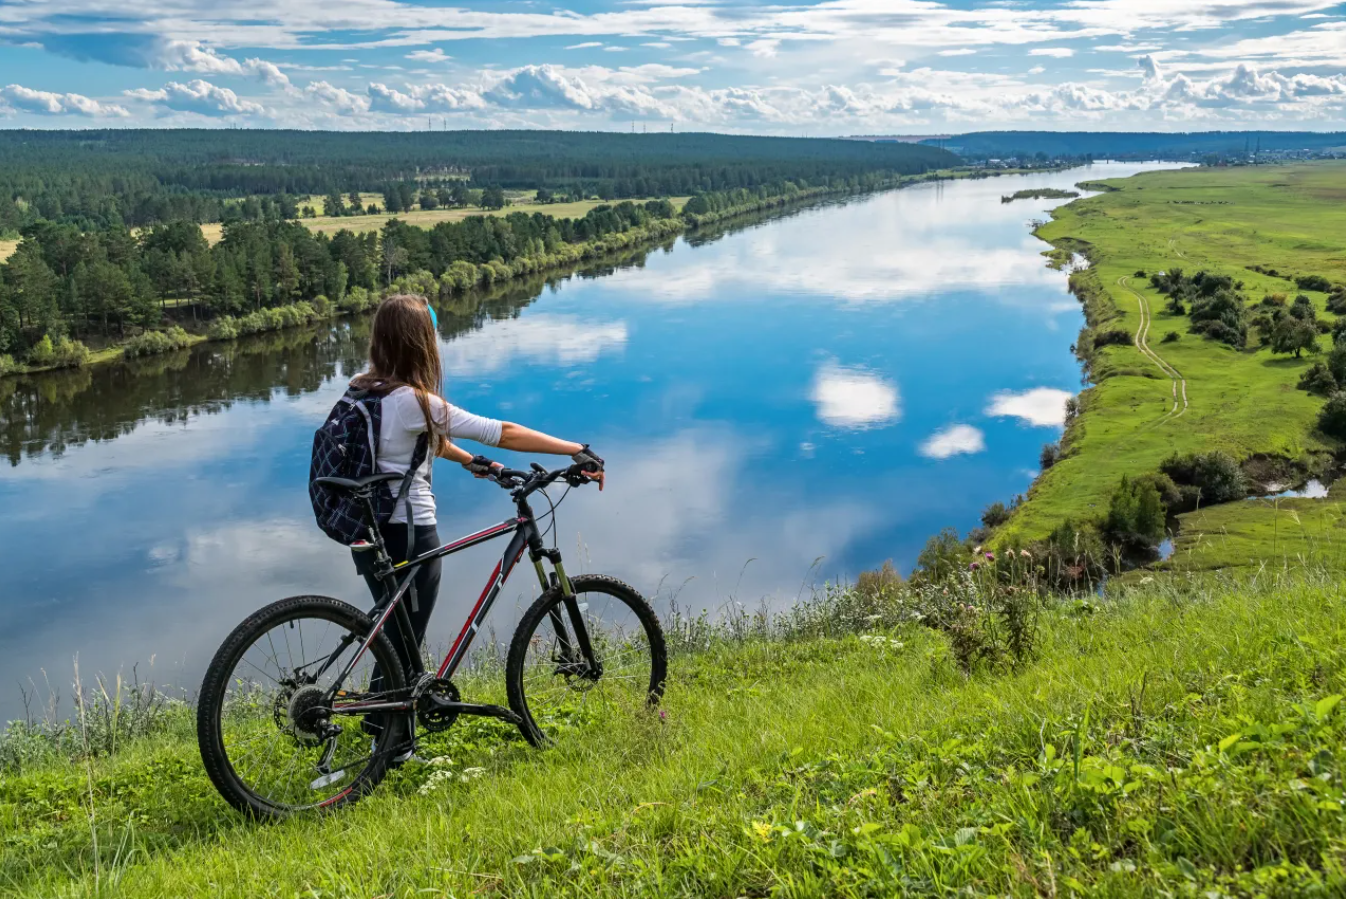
(552, 685)
(286, 750)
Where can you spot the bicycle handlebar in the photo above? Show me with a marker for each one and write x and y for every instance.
(525, 482)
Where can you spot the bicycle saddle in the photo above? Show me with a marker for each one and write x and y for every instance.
(358, 484)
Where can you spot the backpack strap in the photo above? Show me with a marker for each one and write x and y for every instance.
(418, 456)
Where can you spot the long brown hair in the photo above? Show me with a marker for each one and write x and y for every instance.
(404, 352)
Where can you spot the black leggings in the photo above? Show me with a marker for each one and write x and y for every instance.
(420, 601)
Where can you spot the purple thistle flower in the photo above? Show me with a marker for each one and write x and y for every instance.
(990, 557)
(973, 567)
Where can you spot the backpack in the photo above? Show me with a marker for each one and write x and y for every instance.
(347, 446)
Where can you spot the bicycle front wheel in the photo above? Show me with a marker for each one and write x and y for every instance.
(555, 688)
(273, 735)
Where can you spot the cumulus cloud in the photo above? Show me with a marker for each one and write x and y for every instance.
(955, 440)
(199, 97)
(854, 397)
(337, 99)
(47, 103)
(1042, 406)
(163, 54)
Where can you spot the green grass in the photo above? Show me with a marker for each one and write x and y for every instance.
(1290, 218)
(1173, 741)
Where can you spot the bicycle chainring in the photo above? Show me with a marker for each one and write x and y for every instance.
(432, 718)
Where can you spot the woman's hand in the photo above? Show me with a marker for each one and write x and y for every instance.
(482, 467)
(591, 461)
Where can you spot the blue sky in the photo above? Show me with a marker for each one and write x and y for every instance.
(808, 68)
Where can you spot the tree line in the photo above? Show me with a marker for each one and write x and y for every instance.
(64, 286)
(100, 179)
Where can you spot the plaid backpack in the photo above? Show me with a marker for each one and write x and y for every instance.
(347, 446)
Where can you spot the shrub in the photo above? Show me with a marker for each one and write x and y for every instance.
(42, 353)
(1336, 303)
(1050, 455)
(1215, 477)
(1338, 328)
(1171, 337)
(1313, 282)
(1140, 273)
(1332, 420)
(1220, 316)
(153, 342)
(223, 328)
(1111, 337)
(942, 556)
(1073, 557)
(1336, 362)
(1302, 308)
(1135, 516)
(1072, 408)
(995, 515)
(1318, 379)
(874, 584)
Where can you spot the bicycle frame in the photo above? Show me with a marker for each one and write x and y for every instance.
(526, 537)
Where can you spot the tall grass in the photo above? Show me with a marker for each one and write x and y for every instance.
(1176, 738)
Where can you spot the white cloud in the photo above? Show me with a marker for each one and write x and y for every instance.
(658, 45)
(338, 99)
(385, 99)
(48, 103)
(1036, 70)
(543, 339)
(1057, 52)
(854, 397)
(961, 51)
(435, 55)
(199, 97)
(764, 48)
(1042, 406)
(955, 440)
(585, 46)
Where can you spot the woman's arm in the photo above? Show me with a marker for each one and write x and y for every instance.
(526, 440)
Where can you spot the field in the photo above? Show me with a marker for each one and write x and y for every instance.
(6, 248)
(427, 218)
(1144, 753)
(1155, 398)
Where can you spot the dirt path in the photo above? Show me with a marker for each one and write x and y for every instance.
(1141, 341)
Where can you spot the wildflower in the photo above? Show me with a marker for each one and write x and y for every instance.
(1025, 553)
(990, 557)
(977, 550)
(663, 715)
(973, 567)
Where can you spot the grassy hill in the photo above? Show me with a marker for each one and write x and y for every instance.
(1157, 395)
(1170, 740)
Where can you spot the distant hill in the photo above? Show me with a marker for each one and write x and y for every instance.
(1133, 145)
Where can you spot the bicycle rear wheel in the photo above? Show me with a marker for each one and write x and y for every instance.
(551, 685)
(270, 741)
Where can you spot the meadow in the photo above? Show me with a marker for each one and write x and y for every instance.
(1160, 394)
(1173, 739)
(6, 248)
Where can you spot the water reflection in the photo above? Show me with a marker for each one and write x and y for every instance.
(854, 398)
(733, 381)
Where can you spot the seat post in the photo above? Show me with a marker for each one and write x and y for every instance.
(384, 564)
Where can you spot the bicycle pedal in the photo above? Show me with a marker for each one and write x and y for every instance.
(360, 546)
(328, 779)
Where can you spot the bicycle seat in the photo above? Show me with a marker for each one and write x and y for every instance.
(357, 484)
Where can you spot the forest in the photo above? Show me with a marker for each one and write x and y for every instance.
(134, 178)
(65, 287)
(1133, 145)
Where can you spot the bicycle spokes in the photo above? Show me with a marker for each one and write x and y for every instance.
(283, 730)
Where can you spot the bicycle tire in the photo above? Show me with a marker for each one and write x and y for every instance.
(217, 682)
(524, 639)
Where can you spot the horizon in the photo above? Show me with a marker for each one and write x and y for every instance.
(815, 68)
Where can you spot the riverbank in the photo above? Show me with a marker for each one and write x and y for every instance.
(1165, 390)
(1141, 753)
(713, 209)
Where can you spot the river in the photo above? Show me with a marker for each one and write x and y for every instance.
(781, 404)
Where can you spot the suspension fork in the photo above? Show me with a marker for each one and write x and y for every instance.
(561, 581)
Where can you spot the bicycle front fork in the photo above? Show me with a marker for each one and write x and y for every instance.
(583, 663)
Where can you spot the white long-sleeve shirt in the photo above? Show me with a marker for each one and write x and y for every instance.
(403, 423)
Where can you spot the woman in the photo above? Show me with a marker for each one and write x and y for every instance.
(404, 367)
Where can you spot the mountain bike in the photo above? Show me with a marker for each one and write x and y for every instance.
(308, 702)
